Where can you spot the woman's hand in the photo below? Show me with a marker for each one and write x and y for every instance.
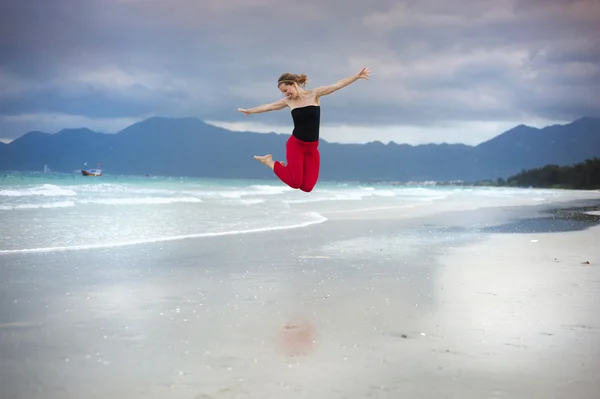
(245, 111)
(364, 73)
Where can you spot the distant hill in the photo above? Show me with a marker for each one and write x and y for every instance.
(524, 147)
(3, 152)
(191, 147)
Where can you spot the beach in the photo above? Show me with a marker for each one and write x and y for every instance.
(452, 298)
(519, 318)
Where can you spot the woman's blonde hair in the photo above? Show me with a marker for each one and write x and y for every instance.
(293, 79)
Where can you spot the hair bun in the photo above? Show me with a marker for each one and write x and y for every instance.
(291, 78)
(301, 79)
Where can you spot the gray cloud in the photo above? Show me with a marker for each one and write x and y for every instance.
(432, 62)
(94, 101)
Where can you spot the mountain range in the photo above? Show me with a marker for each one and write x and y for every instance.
(191, 147)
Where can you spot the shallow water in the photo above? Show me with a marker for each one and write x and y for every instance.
(52, 211)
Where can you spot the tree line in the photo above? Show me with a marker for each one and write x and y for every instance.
(580, 176)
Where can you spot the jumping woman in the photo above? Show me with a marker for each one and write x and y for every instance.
(301, 150)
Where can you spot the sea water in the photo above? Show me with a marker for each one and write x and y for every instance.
(61, 211)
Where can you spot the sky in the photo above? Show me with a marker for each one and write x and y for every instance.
(457, 71)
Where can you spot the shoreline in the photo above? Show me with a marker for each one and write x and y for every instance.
(463, 298)
(409, 215)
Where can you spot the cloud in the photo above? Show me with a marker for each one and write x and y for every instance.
(479, 64)
(100, 101)
(52, 123)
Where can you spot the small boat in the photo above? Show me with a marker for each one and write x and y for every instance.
(91, 172)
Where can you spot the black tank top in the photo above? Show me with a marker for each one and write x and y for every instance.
(306, 122)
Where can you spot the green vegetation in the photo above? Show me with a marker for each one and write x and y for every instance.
(581, 176)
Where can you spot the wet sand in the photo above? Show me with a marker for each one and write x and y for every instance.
(473, 304)
(518, 316)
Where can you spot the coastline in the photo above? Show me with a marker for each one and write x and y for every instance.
(391, 302)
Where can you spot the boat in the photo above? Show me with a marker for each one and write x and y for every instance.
(91, 172)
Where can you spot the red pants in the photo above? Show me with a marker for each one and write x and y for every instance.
(303, 163)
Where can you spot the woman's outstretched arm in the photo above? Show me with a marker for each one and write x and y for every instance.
(277, 105)
(325, 90)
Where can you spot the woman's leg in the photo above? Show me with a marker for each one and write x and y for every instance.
(312, 164)
(292, 173)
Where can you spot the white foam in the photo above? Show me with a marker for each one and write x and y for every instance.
(252, 201)
(46, 190)
(362, 193)
(237, 193)
(141, 200)
(270, 190)
(317, 218)
(384, 193)
(421, 192)
(306, 201)
(378, 208)
(232, 194)
(118, 188)
(349, 195)
(51, 205)
(494, 193)
(433, 198)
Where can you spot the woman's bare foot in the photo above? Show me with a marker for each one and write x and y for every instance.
(265, 160)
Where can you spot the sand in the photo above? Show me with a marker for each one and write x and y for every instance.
(437, 307)
(518, 316)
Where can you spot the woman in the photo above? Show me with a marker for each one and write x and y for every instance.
(301, 150)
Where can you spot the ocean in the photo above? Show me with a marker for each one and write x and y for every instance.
(66, 211)
(352, 290)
